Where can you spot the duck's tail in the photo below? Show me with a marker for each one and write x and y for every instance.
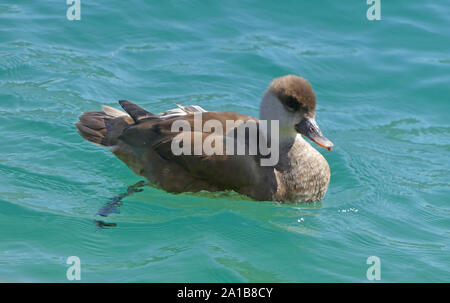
(103, 127)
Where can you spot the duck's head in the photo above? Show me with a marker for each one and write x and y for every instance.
(291, 100)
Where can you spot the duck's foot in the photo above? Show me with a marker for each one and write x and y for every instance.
(112, 207)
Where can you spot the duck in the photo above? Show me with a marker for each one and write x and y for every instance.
(145, 142)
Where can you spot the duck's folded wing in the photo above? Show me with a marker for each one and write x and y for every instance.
(225, 171)
(181, 111)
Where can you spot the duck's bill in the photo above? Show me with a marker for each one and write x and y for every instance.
(309, 128)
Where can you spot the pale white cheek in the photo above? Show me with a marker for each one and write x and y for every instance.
(287, 121)
(272, 109)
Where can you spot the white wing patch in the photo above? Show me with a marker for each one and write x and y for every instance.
(113, 111)
(174, 112)
(181, 111)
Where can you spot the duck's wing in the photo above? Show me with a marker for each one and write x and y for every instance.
(139, 114)
(136, 112)
(181, 110)
(242, 173)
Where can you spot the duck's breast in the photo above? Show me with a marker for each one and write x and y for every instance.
(305, 176)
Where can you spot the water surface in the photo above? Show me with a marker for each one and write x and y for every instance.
(383, 99)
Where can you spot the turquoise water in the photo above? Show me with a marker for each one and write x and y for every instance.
(383, 99)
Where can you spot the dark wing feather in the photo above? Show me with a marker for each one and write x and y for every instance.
(136, 112)
(233, 172)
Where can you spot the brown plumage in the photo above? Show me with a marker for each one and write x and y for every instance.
(295, 93)
(144, 140)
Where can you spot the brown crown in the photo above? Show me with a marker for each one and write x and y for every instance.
(295, 93)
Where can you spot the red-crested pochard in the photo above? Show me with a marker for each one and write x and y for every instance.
(145, 141)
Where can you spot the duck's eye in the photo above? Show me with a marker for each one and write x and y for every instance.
(292, 104)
